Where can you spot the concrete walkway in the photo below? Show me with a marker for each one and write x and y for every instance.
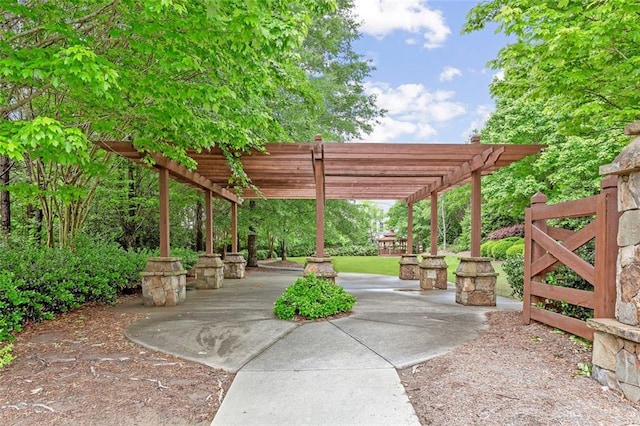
(335, 372)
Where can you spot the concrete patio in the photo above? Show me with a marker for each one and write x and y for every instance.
(340, 371)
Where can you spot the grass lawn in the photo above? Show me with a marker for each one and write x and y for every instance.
(384, 265)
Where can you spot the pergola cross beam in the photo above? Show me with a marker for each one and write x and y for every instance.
(486, 159)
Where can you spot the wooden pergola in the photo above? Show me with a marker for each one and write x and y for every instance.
(357, 171)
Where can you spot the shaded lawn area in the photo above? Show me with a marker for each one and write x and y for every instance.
(389, 265)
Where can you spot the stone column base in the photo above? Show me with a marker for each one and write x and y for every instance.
(321, 267)
(234, 264)
(616, 356)
(409, 269)
(164, 282)
(433, 272)
(209, 271)
(476, 282)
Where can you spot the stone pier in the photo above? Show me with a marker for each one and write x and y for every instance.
(321, 267)
(616, 345)
(409, 267)
(164, 282)
(209, 271)
(234, 265)
(433, 272)
(476, 282)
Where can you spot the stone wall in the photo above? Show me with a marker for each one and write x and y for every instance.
(616, 345)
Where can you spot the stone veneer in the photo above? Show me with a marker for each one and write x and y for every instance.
(616, 345)
(321, 267)
(234, 265)
(616, 356)
(476, 282)
(164, 282)
(209, 271)
(433, 272)
(409, 267)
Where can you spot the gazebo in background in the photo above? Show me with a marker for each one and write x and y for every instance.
(390, 245)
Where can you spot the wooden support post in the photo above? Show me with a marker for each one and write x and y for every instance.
(607, 217)
(410, 228)
(318, 167)
(234, 227)
(476, 207)
(434, 223)
(208, 227)
(163, 183)
(476, 213)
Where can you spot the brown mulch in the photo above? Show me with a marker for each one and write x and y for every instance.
(514, 374)
(80, 369)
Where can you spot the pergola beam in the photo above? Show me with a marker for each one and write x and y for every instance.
(483, 160)
(194, 178)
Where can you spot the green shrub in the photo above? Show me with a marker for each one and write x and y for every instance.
(312, 297)
(5, 355)
(499, 249)
(368, 250)
(36, 283)
(188, 257)
(514, 268)
(486, 248)
(515, 250)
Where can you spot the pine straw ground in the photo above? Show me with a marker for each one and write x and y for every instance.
(79, 369)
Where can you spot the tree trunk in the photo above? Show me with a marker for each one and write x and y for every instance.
(443, 223)
(5, 198)
(284, 249)
(252, 241)
(271, 240)
(199, 243)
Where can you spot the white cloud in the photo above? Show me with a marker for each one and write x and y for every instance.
(479, 117)
(448, 73)
(413, 112)
(499, 75)
(382, 17)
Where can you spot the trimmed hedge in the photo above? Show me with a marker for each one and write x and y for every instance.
(516, 250)
(498, 249)
(368, 250)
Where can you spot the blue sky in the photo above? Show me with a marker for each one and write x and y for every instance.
(433, 81)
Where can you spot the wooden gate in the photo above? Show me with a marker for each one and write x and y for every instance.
(547, 246)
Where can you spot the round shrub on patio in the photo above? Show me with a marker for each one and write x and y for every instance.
(312, 298)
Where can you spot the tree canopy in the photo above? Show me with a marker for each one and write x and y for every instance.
(577, 55)
(166, 74)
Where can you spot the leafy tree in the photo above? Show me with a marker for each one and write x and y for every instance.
(167, 74)
(576, 55)
(337, 73)
(570, 82)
